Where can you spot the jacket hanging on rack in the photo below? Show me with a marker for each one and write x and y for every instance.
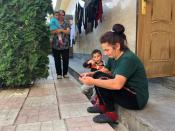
(89, 14)
(93, 13)
(79, 16)
(99, 13)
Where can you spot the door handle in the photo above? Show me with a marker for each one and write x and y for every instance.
(144, 7)
(147, 1)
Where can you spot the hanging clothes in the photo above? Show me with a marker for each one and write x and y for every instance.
(99, 13)
(91, 7)
(88, 14)
(72, 35)
(79, 11)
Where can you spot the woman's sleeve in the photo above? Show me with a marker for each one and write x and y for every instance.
(126, 68)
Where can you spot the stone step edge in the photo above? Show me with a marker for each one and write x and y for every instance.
(134, 123)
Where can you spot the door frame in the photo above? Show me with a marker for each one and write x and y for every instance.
(139, 28)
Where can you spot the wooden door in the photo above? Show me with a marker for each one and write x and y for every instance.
(156, 37)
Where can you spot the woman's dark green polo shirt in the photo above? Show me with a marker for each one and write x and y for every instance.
(130, 66)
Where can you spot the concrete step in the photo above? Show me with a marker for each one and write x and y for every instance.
(169, 82)
(159, 113)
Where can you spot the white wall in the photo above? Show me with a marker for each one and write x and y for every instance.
(115, 11)
(71, 7)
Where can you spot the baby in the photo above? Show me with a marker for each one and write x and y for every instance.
(56, 27)
(95, 63)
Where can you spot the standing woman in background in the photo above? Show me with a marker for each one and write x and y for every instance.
(128, 84)
(60, 46)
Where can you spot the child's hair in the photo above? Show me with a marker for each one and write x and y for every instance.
(96, 51)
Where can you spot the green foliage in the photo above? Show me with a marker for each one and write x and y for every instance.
(24, 41)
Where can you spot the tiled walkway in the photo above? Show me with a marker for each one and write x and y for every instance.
(50, 105)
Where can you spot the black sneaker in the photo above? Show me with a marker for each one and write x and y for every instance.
(94, 109)
(103, 118)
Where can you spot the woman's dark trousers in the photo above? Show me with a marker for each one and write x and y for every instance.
(58, 56)
(108, 97)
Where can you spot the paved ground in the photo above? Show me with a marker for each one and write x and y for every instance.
(50, 105)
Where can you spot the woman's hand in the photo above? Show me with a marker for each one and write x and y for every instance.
(87, 80)
(59, 31)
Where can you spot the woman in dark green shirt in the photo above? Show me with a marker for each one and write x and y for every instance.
(123, 79)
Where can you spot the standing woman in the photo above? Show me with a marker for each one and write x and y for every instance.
(128, 84)
(60, 46)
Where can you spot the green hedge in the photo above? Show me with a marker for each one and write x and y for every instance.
(24, 41)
